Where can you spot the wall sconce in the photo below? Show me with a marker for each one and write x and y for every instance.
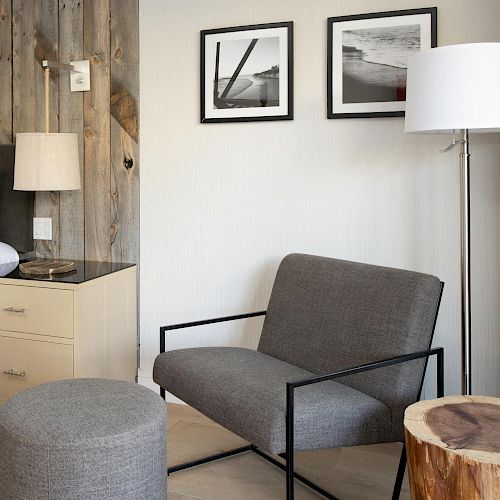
(48, 161)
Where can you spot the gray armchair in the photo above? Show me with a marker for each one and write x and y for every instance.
(328, 322)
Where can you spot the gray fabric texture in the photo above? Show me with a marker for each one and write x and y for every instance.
(83, 439)
(244, 390)
(326, 314)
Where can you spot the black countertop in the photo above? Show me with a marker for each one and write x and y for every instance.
(85, 271)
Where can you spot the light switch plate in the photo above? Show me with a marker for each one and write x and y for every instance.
(80, 78)
(42, 228)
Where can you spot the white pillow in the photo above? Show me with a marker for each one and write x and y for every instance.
(7, 268)
(8, 255)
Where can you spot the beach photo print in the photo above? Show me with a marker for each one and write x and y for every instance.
(367, 60)
(247, 73)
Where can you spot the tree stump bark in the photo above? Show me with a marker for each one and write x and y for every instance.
(453, 448)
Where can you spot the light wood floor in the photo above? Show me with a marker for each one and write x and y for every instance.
(364, 472)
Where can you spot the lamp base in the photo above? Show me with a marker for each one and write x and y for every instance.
(45, 267)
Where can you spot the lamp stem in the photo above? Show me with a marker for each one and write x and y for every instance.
(47, 98)
(466, 286)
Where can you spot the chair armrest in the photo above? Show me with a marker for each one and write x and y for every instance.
(164, 329)
(438, 351)
(291, 386)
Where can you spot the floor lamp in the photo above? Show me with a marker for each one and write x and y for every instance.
(456, 89)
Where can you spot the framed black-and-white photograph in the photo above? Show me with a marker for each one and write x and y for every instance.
(367, 60)
(247, 73)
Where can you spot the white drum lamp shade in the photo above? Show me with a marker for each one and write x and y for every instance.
(454, 87)
(46, 162)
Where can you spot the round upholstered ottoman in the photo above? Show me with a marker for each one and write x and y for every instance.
(83, 439)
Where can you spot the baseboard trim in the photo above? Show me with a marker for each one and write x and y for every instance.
(148, 382)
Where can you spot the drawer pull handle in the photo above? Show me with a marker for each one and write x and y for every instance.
(17, 374)
(18, 310)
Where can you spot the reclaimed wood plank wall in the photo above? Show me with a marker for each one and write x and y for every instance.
(101, 221)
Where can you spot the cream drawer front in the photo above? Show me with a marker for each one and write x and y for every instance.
(39, 361)
(43, 311)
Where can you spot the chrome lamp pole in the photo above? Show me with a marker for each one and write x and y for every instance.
(465, 260)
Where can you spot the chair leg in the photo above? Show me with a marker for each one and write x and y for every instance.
(206, 460)
(400, 475)
(289, 475)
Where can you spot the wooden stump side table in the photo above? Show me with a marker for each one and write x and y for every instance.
(453, 448)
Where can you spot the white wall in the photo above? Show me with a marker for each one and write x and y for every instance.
(221, 204)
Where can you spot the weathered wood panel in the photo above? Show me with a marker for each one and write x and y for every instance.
(125, 130)
(23, 64)
(97, 132)
(100, 222)
(46, 47)
(5, 71)
(72, 217)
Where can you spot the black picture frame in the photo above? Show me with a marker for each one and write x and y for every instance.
(210, 115)
(353, 57)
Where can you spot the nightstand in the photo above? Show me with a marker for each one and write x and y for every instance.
(79, 325)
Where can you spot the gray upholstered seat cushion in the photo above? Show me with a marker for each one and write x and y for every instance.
(245, 391)
(83, 439)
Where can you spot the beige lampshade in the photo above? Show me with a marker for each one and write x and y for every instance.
(46, 162)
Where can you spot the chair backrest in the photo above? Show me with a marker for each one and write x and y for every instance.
(326, 314)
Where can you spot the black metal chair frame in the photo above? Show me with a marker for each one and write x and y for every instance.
(288, 456)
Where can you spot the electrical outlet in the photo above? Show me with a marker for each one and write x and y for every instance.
(42, 228)
(80, 78)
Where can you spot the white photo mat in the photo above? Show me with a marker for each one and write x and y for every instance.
(210, 51)
(337, 104)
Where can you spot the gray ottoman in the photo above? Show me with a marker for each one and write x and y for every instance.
(83, 439)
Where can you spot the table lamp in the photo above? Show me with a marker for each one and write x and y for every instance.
(47, 162)
(456, 88)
